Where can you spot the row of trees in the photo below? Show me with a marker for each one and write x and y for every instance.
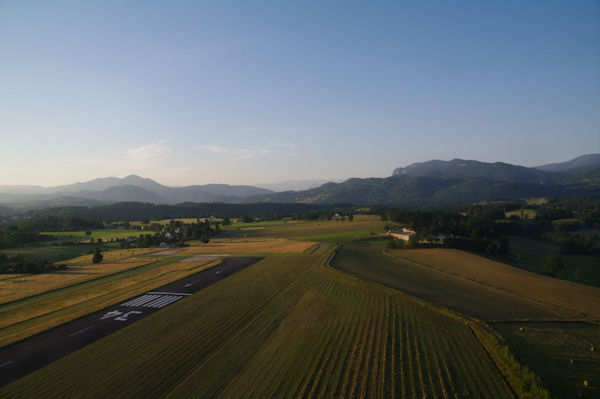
(18, 264)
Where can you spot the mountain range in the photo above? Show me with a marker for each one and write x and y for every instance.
(434, 182)
(110, 190)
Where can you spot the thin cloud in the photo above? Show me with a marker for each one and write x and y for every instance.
(236, 153)
(158, 150)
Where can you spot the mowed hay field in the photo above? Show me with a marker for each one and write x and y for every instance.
(17, 286)
(563, 355)
(321, 230)
(573, 296)
(103, 234)
(531, 253)
(249, 246)
(444, 289)
(283, 327)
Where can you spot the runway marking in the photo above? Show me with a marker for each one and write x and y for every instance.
(163, 301)
(171, 300)
(6, 364)
(80, 331)
(155, 300)
(124, 317)
(141, 300)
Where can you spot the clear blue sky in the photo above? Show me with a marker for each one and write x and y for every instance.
(235, 92)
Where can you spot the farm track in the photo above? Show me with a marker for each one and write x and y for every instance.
(285, 327)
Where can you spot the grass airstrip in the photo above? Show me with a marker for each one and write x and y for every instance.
(314, 319)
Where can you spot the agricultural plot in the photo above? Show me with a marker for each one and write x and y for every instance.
(248, 246)
(563, 355)
(530, 255)
(58, 253)
(523, 214)
(103, 234)
(444, 289)
(284, 327)
(18, 286)
(323, 230)
(567, 295)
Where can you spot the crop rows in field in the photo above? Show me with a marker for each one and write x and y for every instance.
(284, 327)
(563, 355)
(509, 279)
(442, 288)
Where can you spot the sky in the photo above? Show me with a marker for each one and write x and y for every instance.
(195, 92)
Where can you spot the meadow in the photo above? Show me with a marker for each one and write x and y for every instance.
(441, 288)
(80, 269)
(103, 234)
(58, 253)
(530, 255)
(322, 230)
(560, 353)
(257, 325)
(505, 278)
(524, 213)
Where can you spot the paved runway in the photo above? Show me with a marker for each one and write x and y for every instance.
(23, 357)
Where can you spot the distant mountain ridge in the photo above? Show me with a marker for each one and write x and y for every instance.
(452, 182)
(579, 165)
(295, 185)
(460, 168)
(110, 190)
(434, 182)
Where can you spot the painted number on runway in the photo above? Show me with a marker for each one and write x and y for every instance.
(118, 315)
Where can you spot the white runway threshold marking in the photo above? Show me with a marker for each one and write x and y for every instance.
(169, 293)
(155, 300)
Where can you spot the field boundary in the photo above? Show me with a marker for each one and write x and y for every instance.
(81, 282)
(585, 316)
(519, 378)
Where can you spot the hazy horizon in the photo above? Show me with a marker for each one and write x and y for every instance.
(234, 93)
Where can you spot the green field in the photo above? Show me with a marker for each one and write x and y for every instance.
(53, 251)
(325, 230)
(300, 329)
(560, 353)
(443, 289)
(526, 213)
(104, 234)
(57, 253)
(530, 255)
